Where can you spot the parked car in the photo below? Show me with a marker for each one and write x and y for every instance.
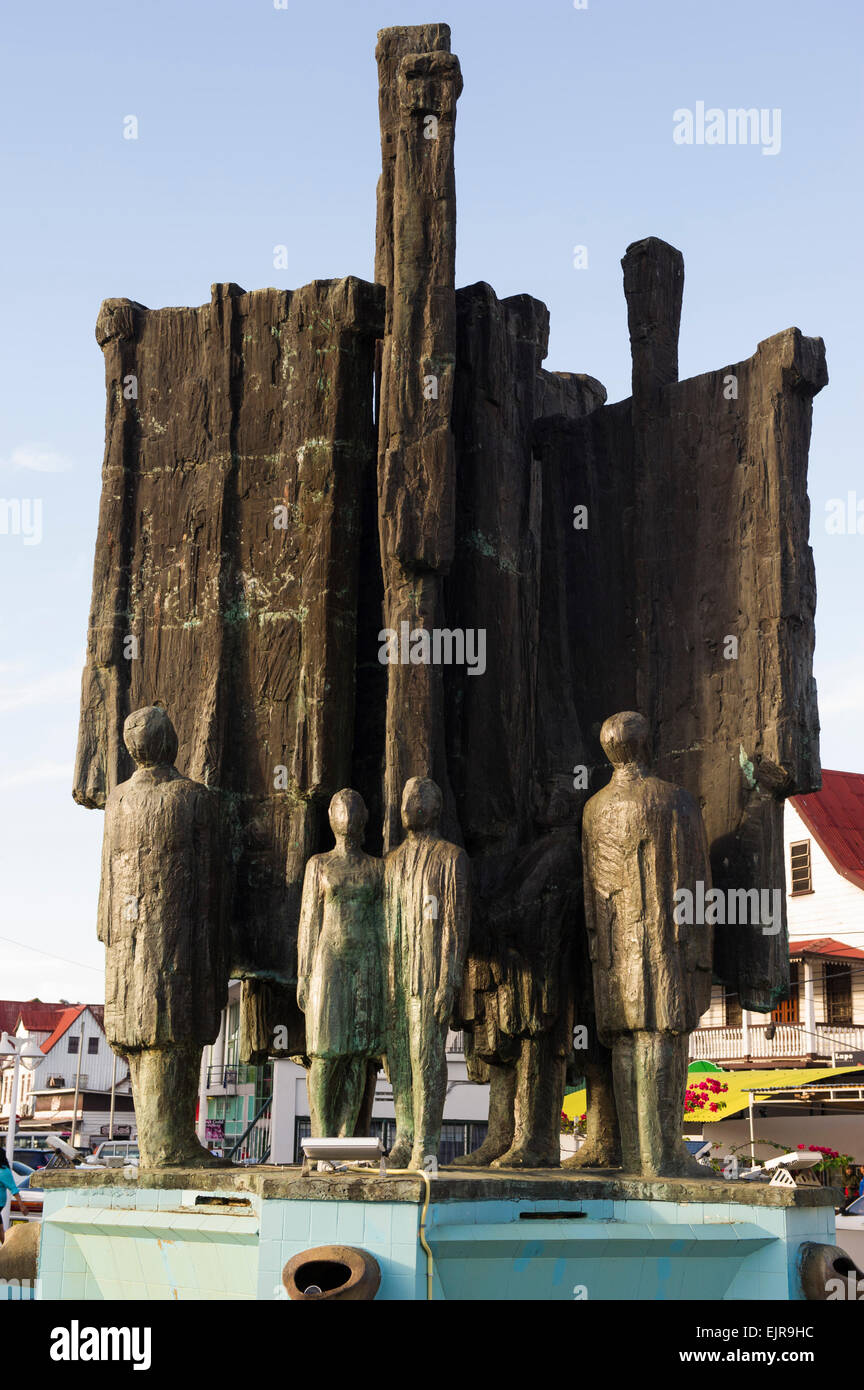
(850, 1231)
(113, 1153)
(33, 1158)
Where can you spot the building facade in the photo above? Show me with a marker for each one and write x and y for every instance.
(822, 1021)
(69, 1092)
(262, 1113)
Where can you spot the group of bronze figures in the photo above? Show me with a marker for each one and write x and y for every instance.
(299, 470)
(382, 951)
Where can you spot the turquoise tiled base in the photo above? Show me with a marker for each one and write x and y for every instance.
(97, 1244)
(100, 1243)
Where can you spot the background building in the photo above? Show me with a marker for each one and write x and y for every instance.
(265, 1110)
(70, 1090)
(822, 1021)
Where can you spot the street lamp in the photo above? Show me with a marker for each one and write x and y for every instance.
(23, 1050)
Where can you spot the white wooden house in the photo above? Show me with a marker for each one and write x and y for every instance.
(69, 1090)
(822, 1021)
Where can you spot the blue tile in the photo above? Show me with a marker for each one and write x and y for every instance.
(451, 1213)
(50, 1287)
(322, 1223)
(487, 1212)
(397, 1288)
(296, 1220)
(600, 1210)
(405, 1259)
(270, 1256)
(378, 1226)
(350, 1223)
(405, 1221)
(51, 1256)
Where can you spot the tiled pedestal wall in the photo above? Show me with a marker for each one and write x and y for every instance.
(139, 1242)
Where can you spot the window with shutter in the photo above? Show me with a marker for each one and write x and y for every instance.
(801, 879)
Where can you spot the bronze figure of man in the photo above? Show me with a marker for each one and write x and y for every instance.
(642, 841)
(426, 906)
(162, 921)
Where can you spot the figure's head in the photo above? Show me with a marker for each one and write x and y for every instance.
(421, 804)
(626, 738)
(348, 815)
(150, 737)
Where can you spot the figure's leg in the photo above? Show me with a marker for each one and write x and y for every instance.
(165, 1091)
(336, 1086)
(429, 1070)
(316, 1086)
(502, 1098)
(363, 1124)
(626, 1101)
(661, 1078)
(348, 1096)
(398, 1063)
(539, 1096)
(602, 1147)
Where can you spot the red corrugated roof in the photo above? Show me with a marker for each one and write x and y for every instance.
(39, 1017)
(66, 1019)
(825, 946)
(12, 1009)
(835, 817)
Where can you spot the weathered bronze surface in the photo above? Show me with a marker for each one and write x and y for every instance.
(342, 969)
(643, 840)
(426, 906)
(260, 526)
(161, 918)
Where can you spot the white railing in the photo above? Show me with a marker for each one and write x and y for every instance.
(790, 1040)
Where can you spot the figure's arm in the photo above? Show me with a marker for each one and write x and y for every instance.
(454, 935)
(599, 869)
(591, 923)
(699, 939)
(309, 930)
(103, 912)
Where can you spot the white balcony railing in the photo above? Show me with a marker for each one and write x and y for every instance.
(790, 1041)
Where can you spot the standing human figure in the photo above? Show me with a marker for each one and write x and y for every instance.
(426, 910)
(163, 924)
(643, 840)
(340, 974)
(8, 1190)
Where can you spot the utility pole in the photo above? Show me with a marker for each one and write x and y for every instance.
(77, 1088)
(113, 1089)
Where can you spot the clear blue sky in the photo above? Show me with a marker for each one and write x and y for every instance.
(258, 127)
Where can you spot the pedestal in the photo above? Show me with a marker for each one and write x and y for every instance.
(550, 1236)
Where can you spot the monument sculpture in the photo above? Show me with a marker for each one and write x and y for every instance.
(297, 469)
(161, 918)
(341, 970)
(530, 930)
(643, 841)
(426, 908)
